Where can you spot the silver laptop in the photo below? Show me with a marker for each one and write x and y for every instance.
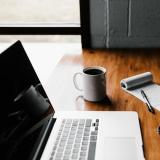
(81, 135)
(94, 135)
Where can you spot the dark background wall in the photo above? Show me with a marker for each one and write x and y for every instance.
(125, 23)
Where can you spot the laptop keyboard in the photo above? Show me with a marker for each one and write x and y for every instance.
(76, 139)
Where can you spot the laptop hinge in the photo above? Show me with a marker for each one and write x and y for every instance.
(41, 142)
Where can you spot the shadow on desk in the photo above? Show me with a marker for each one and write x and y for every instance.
(104, 104)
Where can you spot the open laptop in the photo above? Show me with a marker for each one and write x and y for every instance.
(90, 135)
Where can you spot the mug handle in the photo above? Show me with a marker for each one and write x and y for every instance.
(75, 81)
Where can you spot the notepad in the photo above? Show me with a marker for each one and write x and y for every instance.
(134, 84)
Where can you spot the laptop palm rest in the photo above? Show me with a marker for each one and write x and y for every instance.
(120, 148)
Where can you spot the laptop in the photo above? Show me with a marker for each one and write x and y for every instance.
(89, 135)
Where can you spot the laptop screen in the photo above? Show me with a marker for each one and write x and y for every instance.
(17, 74)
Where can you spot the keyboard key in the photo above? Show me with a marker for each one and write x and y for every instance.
(70, 141)
(82, 158)
(59, 155)
(74, 156)
(79, 136)
(69, 146)
(71, 136)
(92, 149)
(84, 148)
(67, 126)
(86, 133)
(72, 132)
(96, 128)
(63, 139)
(66, 158)
(88, 122)
(82, 121)
(56, 143)
(60, 149)
(73, 128)
(59, 133)
(94, 133)
(75, 123)
(69, 121)
(78, 140)
(84, 143)
(66, 130)
(97, 124)
(83, 154)
(75, 150)
(77, 145)
(87, 129)
(52, 154)
(80, 131)
(51, 158)
(64, 135)
(93, 138)
(86, 138)
(75, 120)
(80, 127)
(61, 144)
(61, 128)
(67, 151)
(55, 147)
(97, 120)
(58, 137)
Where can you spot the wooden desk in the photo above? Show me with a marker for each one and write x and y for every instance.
(119, 64)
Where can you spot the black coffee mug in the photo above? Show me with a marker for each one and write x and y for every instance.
(32, 101)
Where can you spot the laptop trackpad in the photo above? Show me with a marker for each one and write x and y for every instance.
(120, 148)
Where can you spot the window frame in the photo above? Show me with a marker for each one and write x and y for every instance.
(82, 29)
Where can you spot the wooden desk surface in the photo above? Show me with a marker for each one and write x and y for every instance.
(119, 64)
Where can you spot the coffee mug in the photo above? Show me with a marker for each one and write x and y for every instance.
(94, 83)
(32, 101)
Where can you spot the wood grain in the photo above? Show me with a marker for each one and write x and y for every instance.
(119, 64)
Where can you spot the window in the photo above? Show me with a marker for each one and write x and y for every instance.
(41, 17)
(39, 11)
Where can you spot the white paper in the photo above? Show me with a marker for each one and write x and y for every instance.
(135, 84)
